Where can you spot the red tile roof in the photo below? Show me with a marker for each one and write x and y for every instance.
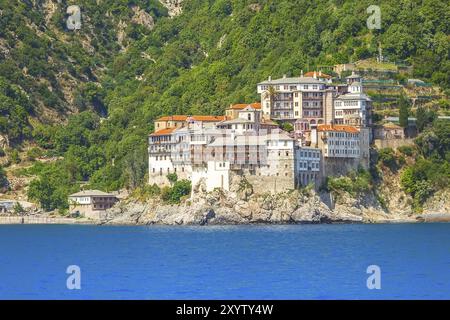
(208, 118)
(329, 127)
(195, 118)
(240, 106)
(163, 132)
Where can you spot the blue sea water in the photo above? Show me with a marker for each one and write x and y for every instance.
(235, 262)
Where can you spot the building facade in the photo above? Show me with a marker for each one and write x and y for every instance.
(331, 135)
(91, 203)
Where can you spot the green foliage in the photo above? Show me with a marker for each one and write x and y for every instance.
(404, 107)
(431, 171)
(4, 183)
(15, 157)
(14, 109)
(387, 157)
(174, 194)
(413, 182)
(52, 186)
(146, 191)
(424, 118)
(406, 150)
(209, 57)
(47, 194)
(42, 58)
(18, 209)
(435, 142)
(287, 127)
(172, 177)
(34, 153)
(355, 183)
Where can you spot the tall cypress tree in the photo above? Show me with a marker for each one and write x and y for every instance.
(403, 105)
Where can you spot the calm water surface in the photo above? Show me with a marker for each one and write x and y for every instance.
(239, 262)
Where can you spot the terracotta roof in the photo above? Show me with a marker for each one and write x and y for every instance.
(322, 75)
(173, 118)
(195, 118)
(208, 118)
(163, 132)
(329, 127)
(241, 106)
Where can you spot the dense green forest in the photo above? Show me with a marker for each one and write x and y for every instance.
(54, 71)
(211, 55)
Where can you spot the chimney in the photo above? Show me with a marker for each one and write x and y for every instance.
(270, 78)
(320, 73)
(301, 73)
(315, 75)
(284, 76)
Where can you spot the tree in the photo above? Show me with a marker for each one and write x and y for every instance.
(287, 127)
(47, 194)
(180, 189)
(172, 177)
(4, 183)
(18, 209)
(424, 118)
(403, 104)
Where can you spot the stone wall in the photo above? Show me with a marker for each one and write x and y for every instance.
(393, 143)
(267, 184)
(339, 166)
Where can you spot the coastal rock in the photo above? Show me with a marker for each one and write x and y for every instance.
(241, 205)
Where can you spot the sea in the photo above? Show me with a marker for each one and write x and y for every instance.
(331, 261)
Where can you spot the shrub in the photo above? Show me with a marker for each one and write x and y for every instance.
(356, 182)
(387, 157)
(340, 184)
(4, 183)
(287, 127)
(34, 153)
(172, 177)
(166, 194)
(406, 150)
(180, 189)
(15, 157)
(18, 209)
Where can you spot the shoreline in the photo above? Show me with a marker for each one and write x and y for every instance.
(15, 220)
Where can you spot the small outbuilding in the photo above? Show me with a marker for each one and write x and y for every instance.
(91, 203)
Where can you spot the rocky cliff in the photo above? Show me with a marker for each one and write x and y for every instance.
(242, 206)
